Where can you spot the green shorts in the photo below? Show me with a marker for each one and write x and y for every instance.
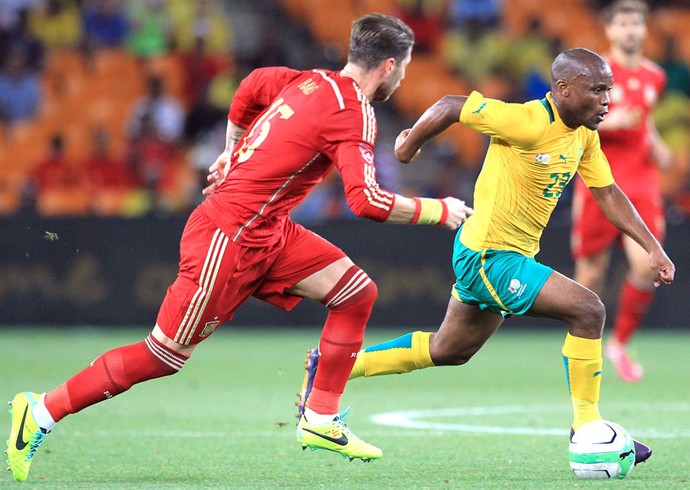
(502, 281)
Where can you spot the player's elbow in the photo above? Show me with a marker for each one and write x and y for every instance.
(365, 211)
(449, 107)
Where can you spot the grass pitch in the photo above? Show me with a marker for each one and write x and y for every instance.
(227, 419)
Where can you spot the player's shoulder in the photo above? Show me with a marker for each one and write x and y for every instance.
(343, 89)
(652, 68)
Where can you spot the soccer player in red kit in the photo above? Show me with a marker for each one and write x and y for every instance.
(240, 241)
(635, 151)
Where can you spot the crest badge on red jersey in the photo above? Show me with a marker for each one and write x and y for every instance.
(367, 153)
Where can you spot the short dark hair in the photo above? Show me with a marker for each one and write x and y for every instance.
(376, 37)
(625, 7)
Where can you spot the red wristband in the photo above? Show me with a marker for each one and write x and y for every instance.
(417, 210)
(444, 213)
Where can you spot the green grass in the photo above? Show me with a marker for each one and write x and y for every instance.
(226, 421)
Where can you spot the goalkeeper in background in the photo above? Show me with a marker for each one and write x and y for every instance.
(536, 148)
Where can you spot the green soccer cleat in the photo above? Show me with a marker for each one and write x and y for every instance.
(335, 436)
(25, 435)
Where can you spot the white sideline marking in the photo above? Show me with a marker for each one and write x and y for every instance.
(416, 419)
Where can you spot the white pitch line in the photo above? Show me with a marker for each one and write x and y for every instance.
(417, 419)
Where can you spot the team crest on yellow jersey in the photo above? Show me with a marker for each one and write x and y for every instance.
(543, 158)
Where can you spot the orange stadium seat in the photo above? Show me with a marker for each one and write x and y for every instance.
(63, 202)
(64, 73)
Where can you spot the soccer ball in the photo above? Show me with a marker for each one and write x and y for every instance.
(601, 450)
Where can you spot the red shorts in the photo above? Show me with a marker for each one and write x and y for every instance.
(592, 233)
(216, 276)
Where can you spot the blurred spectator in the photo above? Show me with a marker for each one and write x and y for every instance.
(203, 19)
(222, 89)
(10, 11)
(165, 113)
(53, 186)
(15, 35)
(203, 117)
(672, 119)
(204, 135)
(151, 28)
(200, 68)
(105, 24)
(108, 178)
(474, 52)
(152, 160)
(676, 68)
(20, 88)
(56, 23)
(530, 58)
(485, 13)
(426, 18)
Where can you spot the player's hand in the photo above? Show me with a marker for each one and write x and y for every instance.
(662, 267)
(399, 153)
(458, 212)
(217, 173)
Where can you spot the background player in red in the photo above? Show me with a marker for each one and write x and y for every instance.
(635, 150)
(240, 241)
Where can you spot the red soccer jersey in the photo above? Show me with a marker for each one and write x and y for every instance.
(300, 125)
(628, 150)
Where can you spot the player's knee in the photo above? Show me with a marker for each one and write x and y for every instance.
(589, 317)
(369, 294)
(359, 292)
(453, 359)
(448, 355)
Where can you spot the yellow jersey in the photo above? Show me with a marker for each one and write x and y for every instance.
(531, 157)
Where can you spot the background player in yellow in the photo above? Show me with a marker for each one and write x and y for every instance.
(535, 149)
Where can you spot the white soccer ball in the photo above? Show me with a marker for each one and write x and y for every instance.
(601, 450)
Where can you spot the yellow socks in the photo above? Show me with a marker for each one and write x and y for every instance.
(401, 355)
(583, 363)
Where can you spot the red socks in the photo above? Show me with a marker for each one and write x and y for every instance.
(112, 373)
(633, 305)
(350, 302)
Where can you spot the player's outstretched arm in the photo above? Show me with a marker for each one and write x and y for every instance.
(449, 212)
(219, 169)
(623, 215)
(435, 120)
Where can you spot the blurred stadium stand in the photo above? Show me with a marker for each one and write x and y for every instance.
(87, 88)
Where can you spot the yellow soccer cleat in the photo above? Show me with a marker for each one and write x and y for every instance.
(25, 435)
(335, 436)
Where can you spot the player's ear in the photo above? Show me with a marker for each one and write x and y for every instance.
(563, 87)
(389, 66)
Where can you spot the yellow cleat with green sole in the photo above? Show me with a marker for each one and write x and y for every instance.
(25, 435)
(335, 436)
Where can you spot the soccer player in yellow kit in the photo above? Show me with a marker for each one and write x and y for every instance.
(536, 148)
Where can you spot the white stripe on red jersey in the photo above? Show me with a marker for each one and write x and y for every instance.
(334, 86)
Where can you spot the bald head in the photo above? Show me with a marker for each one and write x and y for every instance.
(580, 82)
(577, 62)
